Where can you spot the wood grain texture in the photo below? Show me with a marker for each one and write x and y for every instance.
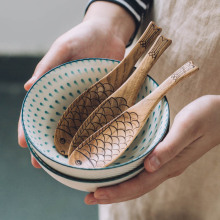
(82, 107)
(121, 99)
(110, 142)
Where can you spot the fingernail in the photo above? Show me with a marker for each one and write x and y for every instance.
(154, 163)
(32, 80)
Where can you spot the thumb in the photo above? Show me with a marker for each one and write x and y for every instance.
(182, 133)
(56, 55)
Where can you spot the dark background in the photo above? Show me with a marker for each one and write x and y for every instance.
(27, 192)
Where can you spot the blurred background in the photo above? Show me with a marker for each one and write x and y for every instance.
(27, 29)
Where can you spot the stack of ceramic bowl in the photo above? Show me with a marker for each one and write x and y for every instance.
(50, 96)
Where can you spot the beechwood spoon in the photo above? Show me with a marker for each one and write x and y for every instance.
(110, 142)
(82, 106)
(121, 99)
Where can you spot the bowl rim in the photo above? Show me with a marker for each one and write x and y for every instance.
(101, 180)
(92, 169)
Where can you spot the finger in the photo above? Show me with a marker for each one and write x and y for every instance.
(34, 162)
(131, 189)
(145, 182)
(122, 192)
(22, 142)
(113, 194)
(183, 132)
(57, 55)
(127, 190)
(21, 137)
(90, 199)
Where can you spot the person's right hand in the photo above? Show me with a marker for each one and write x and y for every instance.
(194, 132)
(97, 36)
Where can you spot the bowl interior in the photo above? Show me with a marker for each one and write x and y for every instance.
(49, 97)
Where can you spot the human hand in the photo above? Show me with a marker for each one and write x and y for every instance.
(104, 32)
(195, 131)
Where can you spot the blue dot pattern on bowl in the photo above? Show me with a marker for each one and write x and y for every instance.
(55, 91)
(52, 94)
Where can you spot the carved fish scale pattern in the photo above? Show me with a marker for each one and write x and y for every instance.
(77, 113)
(106, 144)
(102, 115)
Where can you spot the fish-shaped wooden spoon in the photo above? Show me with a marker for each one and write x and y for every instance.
(110, 142)
(82, 106)
(121, 99)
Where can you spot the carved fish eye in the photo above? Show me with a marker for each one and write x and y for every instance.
(63, 152)
(78, 162)
(62, 140)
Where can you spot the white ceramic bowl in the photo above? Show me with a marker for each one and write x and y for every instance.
(51, 95)
(88, 185)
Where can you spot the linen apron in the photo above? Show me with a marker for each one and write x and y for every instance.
(194, 27)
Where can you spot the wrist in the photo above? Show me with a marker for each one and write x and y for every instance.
(113, 17)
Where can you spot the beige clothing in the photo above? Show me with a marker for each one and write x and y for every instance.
(194, 27)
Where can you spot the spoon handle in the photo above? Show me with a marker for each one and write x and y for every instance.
(122, 71)
(122, 98)
(129, 90)
(146, 106)
(83, 105)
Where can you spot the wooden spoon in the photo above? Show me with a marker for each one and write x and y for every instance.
(110, 142)
(121, 99)
(81, 107)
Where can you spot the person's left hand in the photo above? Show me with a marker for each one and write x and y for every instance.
(195, 131)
